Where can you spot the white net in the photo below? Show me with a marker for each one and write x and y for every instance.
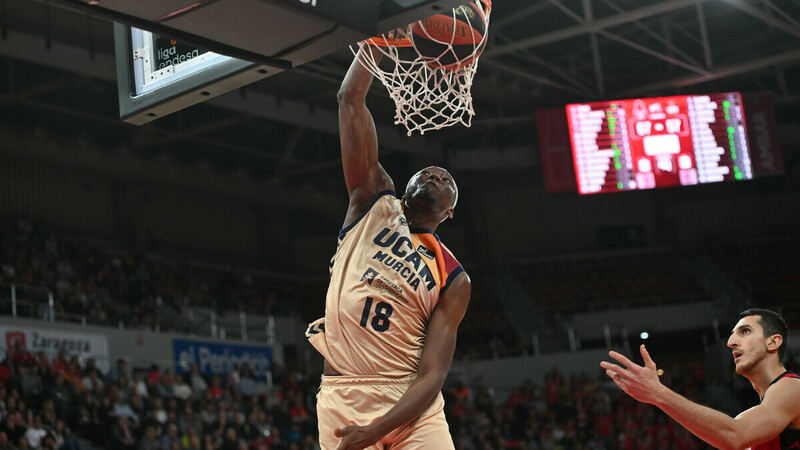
(429, 93)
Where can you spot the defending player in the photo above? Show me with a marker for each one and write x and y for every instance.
(395, 299)
(759, 341)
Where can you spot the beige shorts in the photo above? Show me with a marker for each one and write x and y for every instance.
(362, 400)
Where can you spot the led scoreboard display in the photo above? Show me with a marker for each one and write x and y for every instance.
(655, 142)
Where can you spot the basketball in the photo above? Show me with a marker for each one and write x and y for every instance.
(451, 40)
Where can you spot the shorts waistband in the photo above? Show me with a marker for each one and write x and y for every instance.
(340, 380)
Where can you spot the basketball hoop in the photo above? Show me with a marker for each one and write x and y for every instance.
(430, 91)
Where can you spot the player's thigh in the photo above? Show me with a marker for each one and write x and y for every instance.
(339, 406)
(429, 432)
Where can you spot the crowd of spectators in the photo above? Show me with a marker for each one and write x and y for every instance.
(105, 284)
(580, 413)
(64, 403)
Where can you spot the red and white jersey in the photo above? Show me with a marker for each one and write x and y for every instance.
(386, 279)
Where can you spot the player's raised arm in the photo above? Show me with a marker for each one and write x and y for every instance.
(363, 173)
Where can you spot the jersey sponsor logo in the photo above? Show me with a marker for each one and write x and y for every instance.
(369, 275)
(403, 259)
(426, 252)
(386, 285)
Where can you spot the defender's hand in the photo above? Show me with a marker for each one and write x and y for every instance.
(639, 382)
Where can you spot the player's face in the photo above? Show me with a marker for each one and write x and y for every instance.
(434, 186)
(748, 343)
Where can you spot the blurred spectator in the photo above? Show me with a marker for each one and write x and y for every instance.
(170, 437)
(196, 380)
(182, 391)
(35, 432)
(120, 370)
(92, 380)
(149, 441)
(10, 372)
(165, 385)
(121, 408)
(122, 435)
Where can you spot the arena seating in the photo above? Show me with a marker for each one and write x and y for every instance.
(153, 408)
(768, 271)
(583, 283)
(148, 408)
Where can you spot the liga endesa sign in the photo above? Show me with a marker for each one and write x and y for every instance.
(50, 341)
(217, 359)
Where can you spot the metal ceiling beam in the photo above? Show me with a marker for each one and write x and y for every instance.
(578, 86)
(720, 72)
(595, 25)
(498, 24)
(766, 18)
(701, 21)
(530, 76)
(654, 53)
(596, 58)
(626, 42)
(782, 13)
(661, 39)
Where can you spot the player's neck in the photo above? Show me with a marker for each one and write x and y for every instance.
(763, 375)
(420, 222)
(419, 218)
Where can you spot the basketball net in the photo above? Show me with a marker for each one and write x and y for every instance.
(427, 95)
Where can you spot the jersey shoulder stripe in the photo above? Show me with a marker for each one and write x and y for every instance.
(447, 265)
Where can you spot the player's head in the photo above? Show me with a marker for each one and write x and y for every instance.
(760, 335)
(772, 324)
(434, 188)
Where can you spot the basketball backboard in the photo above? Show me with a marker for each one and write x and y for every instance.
(175, 53)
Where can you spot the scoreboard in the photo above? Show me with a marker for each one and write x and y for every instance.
(656, 142)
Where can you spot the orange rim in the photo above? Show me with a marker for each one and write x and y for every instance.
(382, 41)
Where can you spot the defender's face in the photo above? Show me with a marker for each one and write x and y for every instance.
(748, 343)
(434, 186)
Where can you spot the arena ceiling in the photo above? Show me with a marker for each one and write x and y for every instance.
(59, 85)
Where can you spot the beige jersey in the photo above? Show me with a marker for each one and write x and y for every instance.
(386, 278)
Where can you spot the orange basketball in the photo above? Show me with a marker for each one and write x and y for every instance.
(453, 39)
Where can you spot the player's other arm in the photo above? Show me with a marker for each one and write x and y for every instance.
(756, 425)
(363, 174)
(437, 354)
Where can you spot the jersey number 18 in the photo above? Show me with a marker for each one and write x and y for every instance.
(383, 311)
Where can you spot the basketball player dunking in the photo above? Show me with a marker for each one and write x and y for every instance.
(395, 299)
(759, 341)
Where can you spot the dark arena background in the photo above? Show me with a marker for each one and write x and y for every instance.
(156, 279)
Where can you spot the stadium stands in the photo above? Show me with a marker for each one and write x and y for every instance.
(582, 283)
(66, 403)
